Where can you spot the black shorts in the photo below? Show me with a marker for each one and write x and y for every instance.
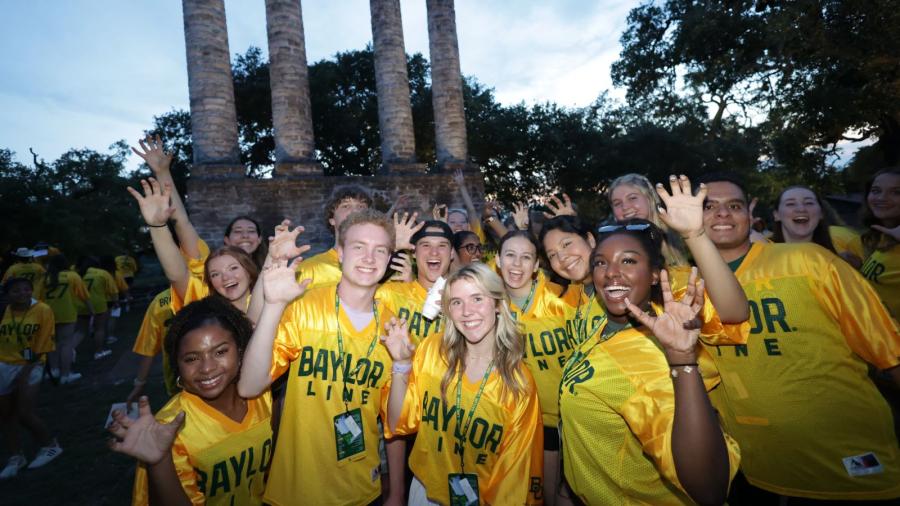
(551, 439)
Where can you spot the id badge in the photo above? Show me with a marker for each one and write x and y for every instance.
(348, 434)
(28, 355)
(463, 489)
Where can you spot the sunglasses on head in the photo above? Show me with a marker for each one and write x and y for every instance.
(636, 227)
(472, 248)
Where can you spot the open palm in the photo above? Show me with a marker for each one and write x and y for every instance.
(677, 328)
(283, 245)
(155, 203)
(145, 438)
(684, 211)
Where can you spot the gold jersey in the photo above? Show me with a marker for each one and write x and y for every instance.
(32, 329)
(504, 443)
(306, 463)
(617, 405)
(797, 396)
(153, 330)
(219, 461)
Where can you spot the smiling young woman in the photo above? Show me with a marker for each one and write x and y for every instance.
(187, 451)
(636, 381)
(487, 445)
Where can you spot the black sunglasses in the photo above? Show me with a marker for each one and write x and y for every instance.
(636, 227)
(472, 248)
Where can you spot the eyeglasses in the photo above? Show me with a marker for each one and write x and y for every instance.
(636, 227)
(472, 248)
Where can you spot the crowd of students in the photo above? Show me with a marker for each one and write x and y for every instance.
(49, 306)
(669, 355)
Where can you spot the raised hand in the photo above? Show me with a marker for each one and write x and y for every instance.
(490, 210)
(684, 211)
(678, 328)
(155, 203)
(145, 438)
(152, 152)
(439, 212)
(459, 178)
(559, 207)
(283, 245)
(892, 232)
(520, 215)
(280, 284)
(397, 341)
(404, 228)
(402, 264)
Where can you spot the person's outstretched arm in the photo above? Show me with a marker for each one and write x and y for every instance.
(156, 209)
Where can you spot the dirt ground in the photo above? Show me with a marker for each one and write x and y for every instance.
(87, 473)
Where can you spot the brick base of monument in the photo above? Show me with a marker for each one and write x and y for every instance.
(214, 201)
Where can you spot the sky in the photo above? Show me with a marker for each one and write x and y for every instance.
(86, 74)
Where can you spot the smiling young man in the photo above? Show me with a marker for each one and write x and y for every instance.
(797, 396)
(325, 268)
(433, 245)
(327, 340)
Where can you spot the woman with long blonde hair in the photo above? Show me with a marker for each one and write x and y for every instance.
(470, 398)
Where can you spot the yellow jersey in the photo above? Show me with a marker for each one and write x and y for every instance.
(218, 460)
(32, 330)
(196, 289)
(153, 330)
(504, 443)
(126, 265)
(32, 271)
(797, 396)
(306, 463)
(846, 240)
(324, 269)
(617, 405)
(547, 344)
(406, 299)
(101, 288)
(196, 265)
(62, 297)
(882, 269)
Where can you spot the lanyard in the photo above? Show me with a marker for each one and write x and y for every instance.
(524, 308)
(581, 333)
(579, 355)
(340, 340)
(459, 413)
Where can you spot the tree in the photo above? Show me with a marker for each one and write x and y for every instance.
(810, 73)
(77, 203)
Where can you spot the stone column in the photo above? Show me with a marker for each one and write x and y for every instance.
(398, 144)
(289, 81)
(446, 85)
(214, 129)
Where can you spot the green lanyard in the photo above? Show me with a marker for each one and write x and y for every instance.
(524, 308)
(459, 413)
(579, 355)
(340, 340)
(582, 334)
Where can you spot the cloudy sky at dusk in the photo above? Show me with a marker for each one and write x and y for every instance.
(88, 73)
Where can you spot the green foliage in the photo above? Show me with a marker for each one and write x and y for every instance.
(809, 73)
(77, 203)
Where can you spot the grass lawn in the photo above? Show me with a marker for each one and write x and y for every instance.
(87, 473)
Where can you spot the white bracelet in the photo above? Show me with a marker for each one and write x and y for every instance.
(401, 368)
(139, 382)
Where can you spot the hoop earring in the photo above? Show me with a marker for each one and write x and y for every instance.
(178, 383)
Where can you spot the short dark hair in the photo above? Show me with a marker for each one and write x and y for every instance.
(342, 193)
(723, 177)
(13, 281)
(461, 236)
(212, 310)
(518, 233)
(565, 223)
